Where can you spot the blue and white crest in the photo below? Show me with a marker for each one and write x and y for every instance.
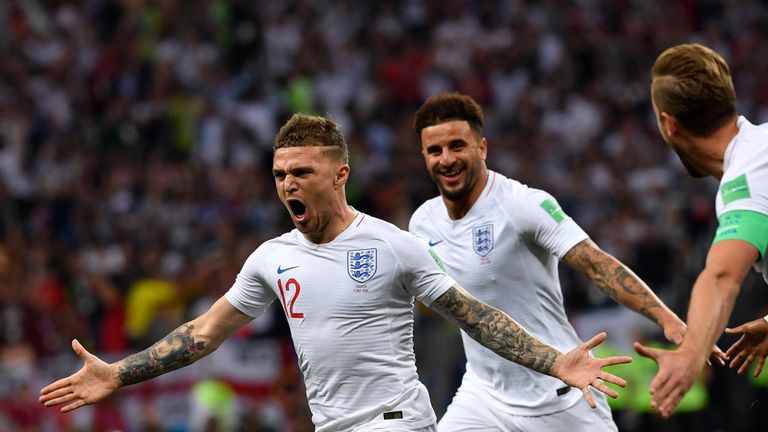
(482, 239)
(361, 264)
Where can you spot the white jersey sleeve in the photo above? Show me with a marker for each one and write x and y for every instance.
(742, 199)
(250, 294)
(544, 220)
(423, 273)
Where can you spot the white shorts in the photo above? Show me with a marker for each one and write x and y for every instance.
(393, 426)
(472, 411)
(411, 411)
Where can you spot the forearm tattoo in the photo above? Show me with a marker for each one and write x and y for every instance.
(174, 351)
(495, 330)
(613, 278)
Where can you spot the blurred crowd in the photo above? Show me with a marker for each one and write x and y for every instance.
(135, 160)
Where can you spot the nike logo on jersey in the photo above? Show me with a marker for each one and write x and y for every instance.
(281, 270)
(434, 242)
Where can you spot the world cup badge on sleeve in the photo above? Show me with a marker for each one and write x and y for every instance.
(361, 264)
(482, 239)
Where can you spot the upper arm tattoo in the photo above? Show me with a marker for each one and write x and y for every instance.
(613, 278)
(176, 350)
(495, 330)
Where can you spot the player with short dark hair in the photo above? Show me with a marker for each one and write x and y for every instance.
(502, 240)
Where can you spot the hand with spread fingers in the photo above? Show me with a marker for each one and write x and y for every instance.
(93, 382)
(753, 345)
(579, 369)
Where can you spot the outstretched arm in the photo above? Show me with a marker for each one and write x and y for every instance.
(712, 299)
(497, 331)
(621, 284)
(190, 342)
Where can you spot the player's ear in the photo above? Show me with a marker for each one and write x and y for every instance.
(669, 123)
(342, 174)
(483, 146)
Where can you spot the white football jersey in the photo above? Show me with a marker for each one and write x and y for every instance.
(505, 252)
(349, 305)
(742, 199)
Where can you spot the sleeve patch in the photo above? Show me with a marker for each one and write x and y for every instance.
(749, 226)
(553, 209)
(735, 189)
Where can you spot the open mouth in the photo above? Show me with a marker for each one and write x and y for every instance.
(297, 208)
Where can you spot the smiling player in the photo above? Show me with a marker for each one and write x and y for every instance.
(502, 240)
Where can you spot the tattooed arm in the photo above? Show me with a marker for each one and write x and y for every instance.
(190, 342)
(495, 330)
(621, 284)
(183, 346)
(498, 332)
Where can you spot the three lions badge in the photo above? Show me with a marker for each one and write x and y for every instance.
(482, 239)
(361, 264)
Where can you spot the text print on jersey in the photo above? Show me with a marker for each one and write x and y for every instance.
(289, 293)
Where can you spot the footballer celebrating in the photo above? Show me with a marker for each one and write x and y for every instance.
(346, 282)
(502, 240)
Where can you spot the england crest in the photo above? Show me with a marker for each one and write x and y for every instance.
(361, 264)
(482, 239)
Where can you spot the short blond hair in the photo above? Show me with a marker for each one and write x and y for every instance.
(303, 130)
(693, 84)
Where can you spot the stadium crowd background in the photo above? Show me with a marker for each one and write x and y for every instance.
(135, 157)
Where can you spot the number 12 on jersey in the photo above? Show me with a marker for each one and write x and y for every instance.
(288, 295)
